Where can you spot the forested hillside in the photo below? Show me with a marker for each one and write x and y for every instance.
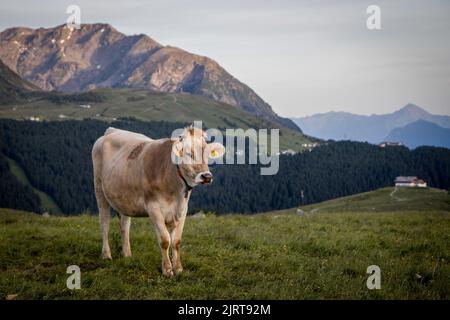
(56, 157)
(13, 194)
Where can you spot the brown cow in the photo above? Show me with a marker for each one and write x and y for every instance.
(142, 177)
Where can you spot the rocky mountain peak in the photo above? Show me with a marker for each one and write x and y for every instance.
(97, 55)
(412, 109)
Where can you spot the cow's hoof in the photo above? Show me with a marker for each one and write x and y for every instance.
(106, 256)
(178, 270)
(168, 273)
(126, 254)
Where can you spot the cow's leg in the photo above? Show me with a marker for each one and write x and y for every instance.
(104, 216)
(163, 236)
(125, 223)
(176, 243)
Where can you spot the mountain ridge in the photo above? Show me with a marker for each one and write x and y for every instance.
(20, 99)
(12, 86)
(421, 133)
(371, 128)
(97, 56)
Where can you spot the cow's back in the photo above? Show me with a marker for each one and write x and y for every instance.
(117, 164)
(116, 141)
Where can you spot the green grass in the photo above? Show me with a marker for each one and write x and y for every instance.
(145, 105)
(387, 199)
(47, 203)
(278, 255)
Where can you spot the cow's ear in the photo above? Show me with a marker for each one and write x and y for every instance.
(216, 150)
(177, 148)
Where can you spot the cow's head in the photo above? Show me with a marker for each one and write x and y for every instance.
(192, 152)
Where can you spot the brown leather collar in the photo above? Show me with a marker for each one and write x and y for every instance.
(188, 188)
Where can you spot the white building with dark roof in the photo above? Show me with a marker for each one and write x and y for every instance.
(409, 181)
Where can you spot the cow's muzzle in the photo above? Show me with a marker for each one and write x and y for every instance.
(206, 177)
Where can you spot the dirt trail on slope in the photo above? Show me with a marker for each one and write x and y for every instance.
(394, 197)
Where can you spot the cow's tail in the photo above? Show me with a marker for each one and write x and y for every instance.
(109, 131)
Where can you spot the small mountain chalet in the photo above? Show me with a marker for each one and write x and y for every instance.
(410, 182)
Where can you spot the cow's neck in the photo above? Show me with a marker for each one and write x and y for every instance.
(159, 167)
(187, 187)
(176, 175)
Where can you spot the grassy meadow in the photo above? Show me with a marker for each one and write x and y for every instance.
(387, 200)
(277, 255)
(150, 106)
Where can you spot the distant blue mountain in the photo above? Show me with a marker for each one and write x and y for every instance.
(373, 128)
(421, 133)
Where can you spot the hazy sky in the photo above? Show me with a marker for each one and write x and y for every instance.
(302, 57)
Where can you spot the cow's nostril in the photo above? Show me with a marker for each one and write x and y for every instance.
(206, 177)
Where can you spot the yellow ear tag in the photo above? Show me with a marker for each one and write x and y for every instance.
(214, 153)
